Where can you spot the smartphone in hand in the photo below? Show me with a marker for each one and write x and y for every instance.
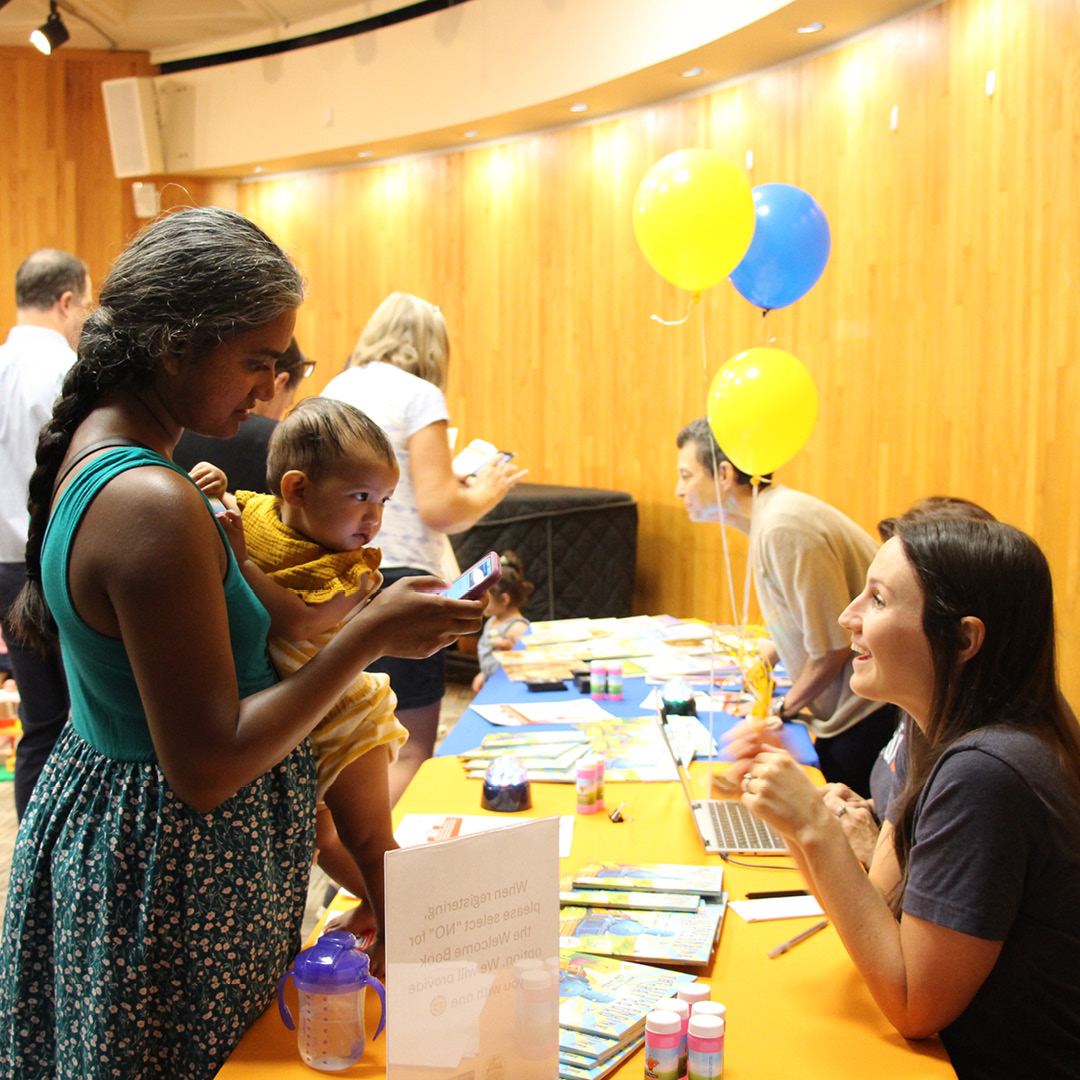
(477, 579)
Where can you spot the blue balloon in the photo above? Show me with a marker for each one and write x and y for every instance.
(789, 250)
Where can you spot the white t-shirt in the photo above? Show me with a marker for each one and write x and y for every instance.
(401, 404)
(33, 363)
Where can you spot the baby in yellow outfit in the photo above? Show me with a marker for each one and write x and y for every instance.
(304, 551)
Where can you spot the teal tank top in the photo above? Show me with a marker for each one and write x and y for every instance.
(106, 709)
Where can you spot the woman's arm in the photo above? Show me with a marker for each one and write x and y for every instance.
(446, 503)
(147, 567)
(921, 975)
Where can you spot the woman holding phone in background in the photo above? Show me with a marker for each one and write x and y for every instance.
(397, 375)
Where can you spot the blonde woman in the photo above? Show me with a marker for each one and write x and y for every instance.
(397, 375)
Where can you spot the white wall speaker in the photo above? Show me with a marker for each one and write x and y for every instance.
(131, 113)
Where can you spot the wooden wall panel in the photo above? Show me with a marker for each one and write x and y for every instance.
(942, 337)
(57, 187)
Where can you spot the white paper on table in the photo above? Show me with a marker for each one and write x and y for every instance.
(416, 829)
(779, 907)
(545, 712)
(472, 945)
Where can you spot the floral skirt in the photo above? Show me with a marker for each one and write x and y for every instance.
(142, 938)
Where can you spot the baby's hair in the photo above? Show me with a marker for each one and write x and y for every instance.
(319, 434)
(512, 584)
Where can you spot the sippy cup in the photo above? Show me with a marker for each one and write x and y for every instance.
(330, 978)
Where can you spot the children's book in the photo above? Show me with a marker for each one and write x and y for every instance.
(633, 750)
(569, 1070)
(654, 877)
(605, 996)
(659, 937)
(592, 1048)
(626, 900)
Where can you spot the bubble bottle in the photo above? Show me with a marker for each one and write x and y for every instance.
(705, 1046)
(663, 1035)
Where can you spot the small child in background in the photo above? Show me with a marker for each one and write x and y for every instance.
(303, 550)
(505, 623)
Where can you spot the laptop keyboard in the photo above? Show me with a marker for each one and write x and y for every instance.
(737, 829)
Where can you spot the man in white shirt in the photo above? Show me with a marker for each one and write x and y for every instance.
(809, 561)
(52, 299)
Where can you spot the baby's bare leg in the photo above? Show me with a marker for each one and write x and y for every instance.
(359, 803)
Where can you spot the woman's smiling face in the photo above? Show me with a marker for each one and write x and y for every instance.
(893, 661)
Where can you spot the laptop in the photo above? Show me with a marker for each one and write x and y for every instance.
(724, 825)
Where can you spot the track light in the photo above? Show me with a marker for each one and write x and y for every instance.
(52, 33)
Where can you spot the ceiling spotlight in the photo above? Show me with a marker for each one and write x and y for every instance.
(693, 73)
(52, 33)
(579, 107)
(810, 28)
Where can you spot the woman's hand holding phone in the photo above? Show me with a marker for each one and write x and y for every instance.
(416, 619)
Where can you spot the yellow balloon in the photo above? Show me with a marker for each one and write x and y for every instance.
(762, 407)
(694, 218)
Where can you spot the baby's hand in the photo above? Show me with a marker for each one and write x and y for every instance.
(360, 922)
(233, 525)
(209, 479)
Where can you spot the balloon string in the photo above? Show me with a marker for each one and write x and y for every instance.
(755, 484)
(765, 339)
(695, 299)
(716, 481)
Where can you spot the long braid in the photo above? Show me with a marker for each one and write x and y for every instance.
(94, 374)
(191, 280)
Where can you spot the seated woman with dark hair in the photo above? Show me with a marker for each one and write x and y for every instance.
(967, 922)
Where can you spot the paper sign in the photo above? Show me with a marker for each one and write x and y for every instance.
(472, 950)
(776, 907)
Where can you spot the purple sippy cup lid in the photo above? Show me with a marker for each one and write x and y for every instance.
(332, 965)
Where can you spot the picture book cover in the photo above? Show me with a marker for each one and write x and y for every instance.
(626, 899)
(591, 1048)
(583, 1070)
(658, 937)
(654, 877)
(633, 750)
(607, 996)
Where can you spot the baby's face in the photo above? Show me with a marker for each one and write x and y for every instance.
(344, 508)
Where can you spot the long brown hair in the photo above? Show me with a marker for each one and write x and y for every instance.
(999, 575)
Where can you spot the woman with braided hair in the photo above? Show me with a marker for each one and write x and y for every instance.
(160, 872)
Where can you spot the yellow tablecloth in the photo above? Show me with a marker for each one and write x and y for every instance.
(806, 1014)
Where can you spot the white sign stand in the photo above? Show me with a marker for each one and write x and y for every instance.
(472, 949)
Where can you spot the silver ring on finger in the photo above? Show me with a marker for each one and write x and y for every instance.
(841, 811)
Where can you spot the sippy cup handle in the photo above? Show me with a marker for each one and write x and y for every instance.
(286, 1016)
(380, 990)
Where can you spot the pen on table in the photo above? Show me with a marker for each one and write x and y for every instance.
(776, 895)
(790, 944)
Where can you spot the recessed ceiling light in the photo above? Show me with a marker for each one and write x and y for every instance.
(579, 107)
(810, 28)
(471, 134)
(693, 73)
(364, 153)
(258, 168)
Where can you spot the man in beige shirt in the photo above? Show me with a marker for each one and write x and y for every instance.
(808, 561)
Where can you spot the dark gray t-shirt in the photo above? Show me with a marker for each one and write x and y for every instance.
(996, 854)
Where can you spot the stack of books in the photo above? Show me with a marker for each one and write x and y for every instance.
(613, 916)
(660, 913)
(603, 1003)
